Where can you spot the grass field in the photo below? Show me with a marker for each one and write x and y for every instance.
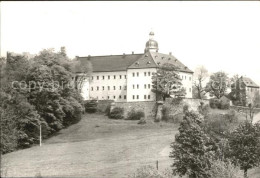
(96, 147)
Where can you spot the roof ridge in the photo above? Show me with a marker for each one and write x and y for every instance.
(112, 55)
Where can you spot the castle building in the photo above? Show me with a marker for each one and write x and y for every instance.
(128, 77)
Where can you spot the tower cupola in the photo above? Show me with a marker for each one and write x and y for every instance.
(151, 44)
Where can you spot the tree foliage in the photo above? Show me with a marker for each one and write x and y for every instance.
(218, 84)
(200, 75)
(192, 149)
(33, 92)
(245, 146)
(166, 82)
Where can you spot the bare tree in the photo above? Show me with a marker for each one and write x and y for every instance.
(200, 75)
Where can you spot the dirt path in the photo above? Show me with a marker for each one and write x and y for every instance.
(94, 147)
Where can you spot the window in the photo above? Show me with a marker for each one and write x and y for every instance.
(107, 97)
(185, 77)
(120, 76)
(97, 88)
(92, 88)
(182, 77)
(137, 86)
(103, 77)
(137, 74)
(190, 89)
(120, 87)
(149, 73)
(103, 88)
(190, 78)
(149, 86)
(119, 96)
(144, 86)
(125, 87)
(137, 96)
(108, 77)
(114, 87)
(125, 76)
(133, 74)
(144, 73)
(114, 77)
(133, 86)
(145, 97)
(148, 96)
(97, 77)
(133, 97)
(114, 97)
(92, 78)
(124, 96)
(108, 87)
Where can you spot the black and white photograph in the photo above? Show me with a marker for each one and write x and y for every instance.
(130, 89)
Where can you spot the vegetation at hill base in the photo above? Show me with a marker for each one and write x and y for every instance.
(36, 91)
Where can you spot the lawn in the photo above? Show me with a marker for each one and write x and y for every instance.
(95, 147)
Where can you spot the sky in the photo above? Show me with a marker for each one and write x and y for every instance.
(222, 36)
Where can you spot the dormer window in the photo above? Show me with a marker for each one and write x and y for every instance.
(162, 57)
(169, 58)
(149, 62)
(175, 60)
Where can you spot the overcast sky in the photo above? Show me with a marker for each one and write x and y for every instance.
(219, 35)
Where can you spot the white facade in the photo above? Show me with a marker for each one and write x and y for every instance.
(127, 86)
(139, 85)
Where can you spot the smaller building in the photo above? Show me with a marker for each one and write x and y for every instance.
(251, 89)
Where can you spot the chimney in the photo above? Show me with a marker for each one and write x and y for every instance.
(133, 52)
(77, 57)
(124, 54)
(170, 53)
(89, 57)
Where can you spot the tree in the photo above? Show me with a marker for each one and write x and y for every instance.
(238, 91)
(192, 149)
(167, 82)
(200, 74)
(82, 69)
(245, 146)
(218, 84)
(256, 99)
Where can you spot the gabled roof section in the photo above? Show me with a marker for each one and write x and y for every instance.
(249, 82)
(161, 59)
(145, 61)
(112, 62)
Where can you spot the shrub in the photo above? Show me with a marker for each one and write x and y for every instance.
(117, 113)
(135, 115)
(107, 111)
(142, 121)
(165, 113)
(150, 172)
(91, 106)
(221, 169)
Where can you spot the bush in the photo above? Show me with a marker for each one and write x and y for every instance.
(135, 115)
(151, 172)
(221, 169)
(142, 121)
(216, 103)
(91, 106)
(117, 113)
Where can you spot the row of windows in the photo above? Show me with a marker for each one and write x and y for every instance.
(145, 74)
(137, 97)
(145, 86)
(185, 77)
(108, 88)
(108, 77)
(252, 89)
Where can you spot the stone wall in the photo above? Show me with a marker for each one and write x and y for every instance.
(192, 103)
(149, 107)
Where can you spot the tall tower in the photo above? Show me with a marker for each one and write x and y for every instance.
(151, 45)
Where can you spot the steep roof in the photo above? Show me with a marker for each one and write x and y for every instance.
(145, 61)
(249, 82)
(133, 61)
(112, 62)
(161, 59)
